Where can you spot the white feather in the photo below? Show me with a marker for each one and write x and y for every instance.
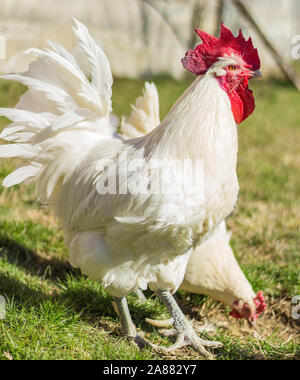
(26, 151)
(102, 79)
(144, 116)
(63, 53)
(60, 61)
(20, 175)
(21, 137)
(11, 130)
(26, 117)
(59, 97)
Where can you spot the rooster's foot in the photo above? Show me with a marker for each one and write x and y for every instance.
(185, 333)
(184, 330)
(183, 339)
(190, 338)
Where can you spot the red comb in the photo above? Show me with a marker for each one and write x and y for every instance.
(204, 55)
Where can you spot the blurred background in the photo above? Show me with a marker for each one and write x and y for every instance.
(54, 312)
(146, 37)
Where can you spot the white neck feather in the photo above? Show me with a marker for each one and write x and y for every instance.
(199, 125)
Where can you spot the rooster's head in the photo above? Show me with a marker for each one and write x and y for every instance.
(249, 311)
(233, 61)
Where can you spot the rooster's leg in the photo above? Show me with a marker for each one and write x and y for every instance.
(121, 307)
(140, 295)
(185, 332)
(128, 328)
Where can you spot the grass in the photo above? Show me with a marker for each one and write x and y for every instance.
(54, 312)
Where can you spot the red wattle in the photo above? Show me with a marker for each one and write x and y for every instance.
(241, 99)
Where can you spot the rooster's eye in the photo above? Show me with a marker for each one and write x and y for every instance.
(231, 67)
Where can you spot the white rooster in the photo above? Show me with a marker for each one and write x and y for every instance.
(120, 229)
(212, 268)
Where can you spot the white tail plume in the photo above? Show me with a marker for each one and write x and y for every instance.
(61, 116)
(144, 116)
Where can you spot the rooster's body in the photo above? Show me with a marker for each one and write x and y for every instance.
(135, 240)
(212, 268)
(121, 236)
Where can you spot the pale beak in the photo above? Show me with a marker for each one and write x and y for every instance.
(257, 74)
